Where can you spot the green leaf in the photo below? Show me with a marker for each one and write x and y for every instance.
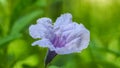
(105, 64)
(8, 38)
(53, 67)
(24, 21)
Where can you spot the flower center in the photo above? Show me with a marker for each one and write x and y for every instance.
(59, 41)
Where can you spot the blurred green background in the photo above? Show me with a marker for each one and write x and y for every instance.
(101, 17)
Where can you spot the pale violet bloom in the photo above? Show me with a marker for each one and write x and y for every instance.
(63, 37)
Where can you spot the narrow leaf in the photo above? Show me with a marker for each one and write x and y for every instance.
(8, 38)
(24, 21)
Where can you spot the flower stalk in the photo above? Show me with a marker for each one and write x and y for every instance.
(49, 57)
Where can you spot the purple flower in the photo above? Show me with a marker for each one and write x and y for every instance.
(63, 37)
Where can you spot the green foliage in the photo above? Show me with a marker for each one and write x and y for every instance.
(101, 17)
(23, 21)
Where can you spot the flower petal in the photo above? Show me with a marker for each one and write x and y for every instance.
(44, 43)
(45, 21)
(43, 29)
(76, 32)
(66, 31)
(82, 33)
(76, 41)
(63, 20)
(69, 48)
